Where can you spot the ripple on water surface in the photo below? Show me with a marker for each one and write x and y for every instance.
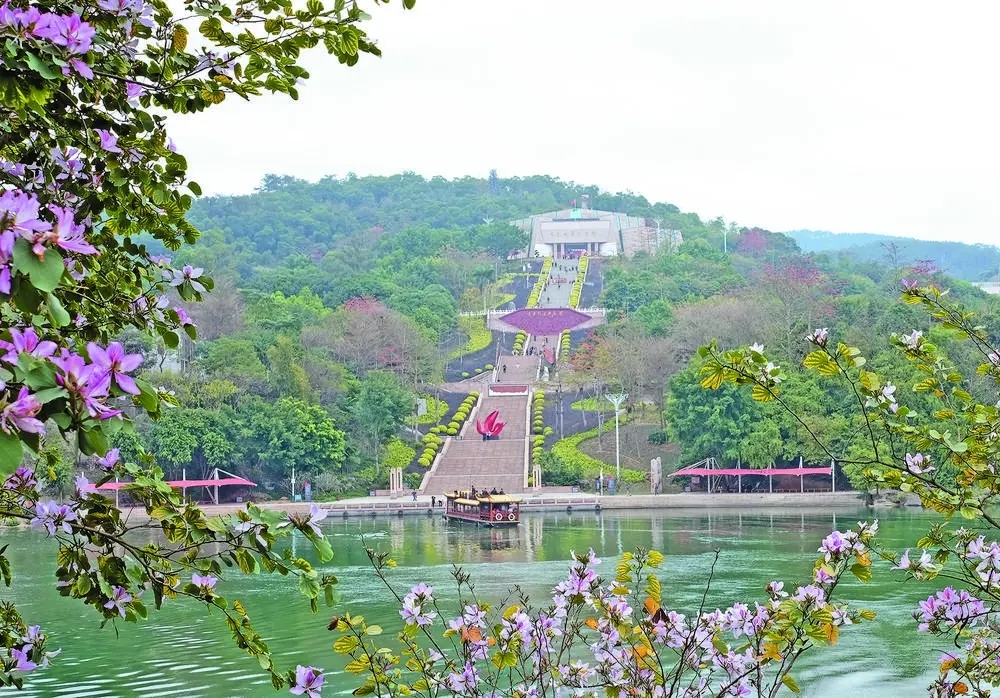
(184, 651)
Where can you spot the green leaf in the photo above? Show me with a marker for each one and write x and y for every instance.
(373, 630)
(358, 666)
(504, 660)
(346, 644)
(217, 524)
(57, 313)
(862, 572)
(323, 548)
(820, 362)
(10, 453)
(42, 67)
(93, 442)
(308, 586)
(83, 585)
(44, 273)
(790, 683)
(49, 394)
(653, 587)
(162, 512)
(713, 375)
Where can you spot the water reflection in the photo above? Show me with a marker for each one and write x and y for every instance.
(185, 652)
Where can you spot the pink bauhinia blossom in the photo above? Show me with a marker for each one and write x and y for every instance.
(21, 414)
(26, 341)
(113, 364)
(67, 234)
(109, 141)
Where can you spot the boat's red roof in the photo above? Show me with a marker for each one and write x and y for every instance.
(189, 483)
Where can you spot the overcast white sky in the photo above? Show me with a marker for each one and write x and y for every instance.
(853, 117)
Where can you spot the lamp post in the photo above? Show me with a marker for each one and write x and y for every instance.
(559, 393)
(617, 400)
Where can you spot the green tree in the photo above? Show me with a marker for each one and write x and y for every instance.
(291, 434)
(379, 409)
(236, 360)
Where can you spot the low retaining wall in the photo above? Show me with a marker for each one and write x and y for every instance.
(754, 500)
(663, 503)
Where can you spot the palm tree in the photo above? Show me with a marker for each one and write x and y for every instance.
(482, 276)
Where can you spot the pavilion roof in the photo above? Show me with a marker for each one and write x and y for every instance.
(715, 472)
(220, 482)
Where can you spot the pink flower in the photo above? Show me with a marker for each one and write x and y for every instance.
(119, 597)
(206, 583)
(84, 381)
(68, 31)
(26, 341)
(21, 414)
(109, 461)
(904, 562)
(819, 336)
(918, 463)
(23, 663)
(308, 682)
(67, 234)
(19, 213)
(109, 141)
(113, 363)
(184, 318)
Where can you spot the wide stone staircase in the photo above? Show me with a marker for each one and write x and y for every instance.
(470, 461)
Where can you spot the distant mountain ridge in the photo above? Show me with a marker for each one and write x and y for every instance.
(969, 262)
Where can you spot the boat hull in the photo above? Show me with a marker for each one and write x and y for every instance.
(494, 523)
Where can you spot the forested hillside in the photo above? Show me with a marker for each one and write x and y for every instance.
(338, 304)
(957, 259)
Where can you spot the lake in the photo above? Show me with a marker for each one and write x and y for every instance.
(185, 651)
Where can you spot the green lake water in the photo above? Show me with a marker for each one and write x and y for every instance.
(185, 651)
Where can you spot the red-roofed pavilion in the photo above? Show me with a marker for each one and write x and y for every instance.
(214, 483)
(709, 469)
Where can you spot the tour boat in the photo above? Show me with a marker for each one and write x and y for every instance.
(483, 508)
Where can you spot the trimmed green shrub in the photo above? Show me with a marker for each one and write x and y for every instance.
(567, 449)
(452, 431)
(424, 462)
(465, 374)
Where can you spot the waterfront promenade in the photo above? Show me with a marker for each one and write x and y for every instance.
(688, 503)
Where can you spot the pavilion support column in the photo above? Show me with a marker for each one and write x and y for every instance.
(802, 482)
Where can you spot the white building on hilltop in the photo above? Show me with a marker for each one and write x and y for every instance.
(573, 232)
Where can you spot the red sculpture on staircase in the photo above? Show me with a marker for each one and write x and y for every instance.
(490, 428)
